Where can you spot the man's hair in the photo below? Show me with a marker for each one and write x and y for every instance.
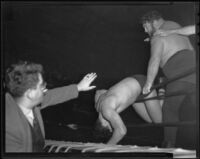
(22, 76)
(100, 132)
(151, 16)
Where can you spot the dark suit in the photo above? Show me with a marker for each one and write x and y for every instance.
(18, 133)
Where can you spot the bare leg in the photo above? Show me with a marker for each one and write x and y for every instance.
(150, 110)
(154, 108)
(140, 108)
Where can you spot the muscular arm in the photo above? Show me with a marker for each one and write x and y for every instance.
(154, 62)
(187, 30)
(119, 129)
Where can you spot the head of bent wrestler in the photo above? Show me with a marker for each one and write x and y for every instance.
(102, 132)
(151, 22)
(24, 81)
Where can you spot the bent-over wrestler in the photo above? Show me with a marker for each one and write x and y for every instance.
(110, 103)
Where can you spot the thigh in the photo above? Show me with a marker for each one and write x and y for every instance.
(172, 104)
(140, 109)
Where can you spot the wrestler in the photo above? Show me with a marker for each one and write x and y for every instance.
(110, 103)
(174, 54)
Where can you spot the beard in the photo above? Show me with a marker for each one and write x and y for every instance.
(153, 30)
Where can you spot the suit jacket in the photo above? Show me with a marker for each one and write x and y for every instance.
(18, 133)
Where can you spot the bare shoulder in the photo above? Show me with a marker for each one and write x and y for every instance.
(157, 39)
(170, 25)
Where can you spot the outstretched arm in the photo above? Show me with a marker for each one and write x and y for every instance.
(66, 93)
(187, 30)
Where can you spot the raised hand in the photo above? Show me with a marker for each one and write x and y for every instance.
(84, 84)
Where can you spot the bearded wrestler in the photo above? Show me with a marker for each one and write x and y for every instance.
(174, 54)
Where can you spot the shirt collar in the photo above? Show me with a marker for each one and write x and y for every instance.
(27, 112)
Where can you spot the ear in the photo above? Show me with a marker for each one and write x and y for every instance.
(30, 94)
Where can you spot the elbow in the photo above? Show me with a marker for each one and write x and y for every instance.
(122, 132)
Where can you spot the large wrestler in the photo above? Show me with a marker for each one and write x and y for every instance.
(175, 55)
(110, 103)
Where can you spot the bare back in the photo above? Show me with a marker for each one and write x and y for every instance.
(124, 92)
(173, 43)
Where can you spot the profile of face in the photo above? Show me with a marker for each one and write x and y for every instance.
(149, 28)
(38, 92)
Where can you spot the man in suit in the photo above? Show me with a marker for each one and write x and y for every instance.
(26, 90)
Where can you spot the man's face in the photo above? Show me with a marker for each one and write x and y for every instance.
(39, 91)
(149, 28)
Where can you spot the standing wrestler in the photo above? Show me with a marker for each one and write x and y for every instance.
(174, 54)
(110, 103)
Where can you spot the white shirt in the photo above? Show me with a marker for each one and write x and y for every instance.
(29, 114)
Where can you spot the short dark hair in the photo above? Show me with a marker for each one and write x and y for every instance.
(151, 16)
(22, 76)
(101, 132)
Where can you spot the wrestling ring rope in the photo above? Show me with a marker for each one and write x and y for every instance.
(142, 98)
(52, 146)
(160, 85)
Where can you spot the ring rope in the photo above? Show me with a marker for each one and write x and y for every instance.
(177, 93)
(181, 75)
(160, 85)
(167, 124)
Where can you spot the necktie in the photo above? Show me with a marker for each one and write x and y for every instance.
(38, 137)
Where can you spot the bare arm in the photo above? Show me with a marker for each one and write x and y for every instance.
(119, 129)
(187, 30)
(154, 62)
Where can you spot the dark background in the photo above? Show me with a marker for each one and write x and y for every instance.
(73, 39)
